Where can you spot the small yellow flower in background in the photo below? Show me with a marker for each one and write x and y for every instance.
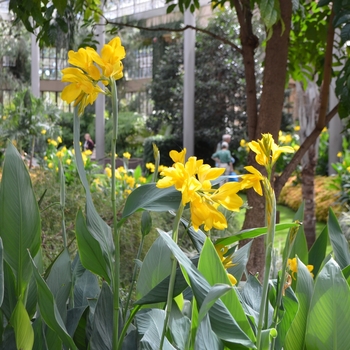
(43, 131)
(288, 138)
(242, 143)
(73, 152)
(4, 117)
(121, 170)
(59, 139)
(339, 154)
(226, 261)
(87, 152)
(142, 179)
(297, 128)
(50, 165)
(64, 149)
(293, 266)
(296, 147)
(126, 193)
(282, 139)
(344, 163)
(108, 172)
(348, 169)
(127, 155)
(324, 129)
(45, 158)
(59, 154)
(49, 140)
(68, 161)
(53, 143)
(56, 169)
(130, 181)
(151, 167)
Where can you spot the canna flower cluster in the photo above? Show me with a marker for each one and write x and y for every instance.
(90, 68)
(193, 180)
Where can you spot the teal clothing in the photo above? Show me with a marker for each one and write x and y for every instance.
(224, 155)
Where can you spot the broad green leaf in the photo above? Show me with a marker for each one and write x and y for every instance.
(102, 330)
(155, 268)
(49, 312)
(149, 197)
(345, 33)
(206, 339)
(216, 291)
(146, 223)
(251, 233)
(60, 5)
(329, 318)
(150, 324)
(240, 259)
(39, 336)
(22, 325)
(289, 309)
(10, 300)
(317, 252)
(222, 322)
(338, 241)
(197, 237)
(8, 341)
(295, 337)
(96, 226)
(60, 282)
(179, 327)
(82, 330)
(90, 253)
(86, 287)
(73, 318)
(2, 287)
(159, 293)
(19, 218)
(212, 269)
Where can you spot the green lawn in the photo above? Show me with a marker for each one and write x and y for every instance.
(286, 215)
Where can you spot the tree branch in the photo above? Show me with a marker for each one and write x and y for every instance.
(175, 30)
(282, 179)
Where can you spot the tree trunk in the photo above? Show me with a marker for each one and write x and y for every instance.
(308, 191)
(268, 120)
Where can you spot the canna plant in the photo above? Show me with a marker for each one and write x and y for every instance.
(184, 302)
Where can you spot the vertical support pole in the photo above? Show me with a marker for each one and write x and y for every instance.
(189, 68)
(100, 106)
(35, 78)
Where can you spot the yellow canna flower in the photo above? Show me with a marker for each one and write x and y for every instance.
(192, 179)
(242, 143)
(297, 128)
(339, 154)
(293, 267)
(83, 60)
(252, 180)
(50, 165)
(127, 155)
(288, 138)
(296, 147)
(45, 158)
(178, 157)
(82, 89)
(43, 131)
(68, 161)
(64, 149)
(87, 152)
(53, 143)
(4, 117)
(348, 169)
(110, 59)
(59, 140)
(161, 168)
(324, 129)
(130, 181)
(126, 193)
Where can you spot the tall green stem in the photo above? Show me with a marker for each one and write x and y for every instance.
(270, 220)
(172, 274)
(116, 234)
